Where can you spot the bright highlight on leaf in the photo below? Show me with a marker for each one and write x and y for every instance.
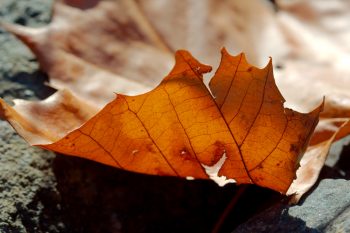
(179, 129)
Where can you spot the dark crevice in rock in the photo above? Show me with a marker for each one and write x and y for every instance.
(31, 86)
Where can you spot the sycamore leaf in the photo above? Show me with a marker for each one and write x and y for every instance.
(238, 25)
(48, 120)
(87, 59)
(315, 55)
(244, 134)
(297, 36)
(308, 40)
(327, 131)
(76, 60)
(317, 35)
(315, 157)
(149, 32)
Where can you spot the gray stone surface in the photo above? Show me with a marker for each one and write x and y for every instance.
(340, 223)
(18, 67)
(26, 175)
(325, 209)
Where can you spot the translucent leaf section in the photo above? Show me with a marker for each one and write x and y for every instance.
(270, 138)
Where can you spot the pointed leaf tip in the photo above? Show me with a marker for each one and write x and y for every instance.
(2, 109)
(269, 64)
(176, 129)
(185, 61)
(25, 34)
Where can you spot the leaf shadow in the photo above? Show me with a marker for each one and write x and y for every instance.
(99, 198)
(339, 165)
(277, 219)
(29, 86)
(343, 164)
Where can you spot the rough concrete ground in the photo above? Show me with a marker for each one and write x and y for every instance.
(325, 210)
(25, 172)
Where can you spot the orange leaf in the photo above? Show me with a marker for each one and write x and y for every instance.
(316, 155)
(179, 129)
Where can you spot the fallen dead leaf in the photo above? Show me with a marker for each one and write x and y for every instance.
(47, 120)
(297, 36)
(244, 134)
(293, 36)
(307, 39)
(92, 61)
(314, 159)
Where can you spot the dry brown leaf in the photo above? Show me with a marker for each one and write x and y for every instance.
(139, 30)
(318, 39)
(48, 120)
(303, 37)
(308, 39)
(237, 25)
(178, 129)
(314, 159)
(329, 127)
(298, 43)
(327, 132)
(74, 58)
(93, 61)
(316, 56)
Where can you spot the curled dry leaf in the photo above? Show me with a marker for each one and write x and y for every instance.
(179, 129)
(47, 120)
(75, 60)
(93, 69)
(328, 128)
(133, 39)
(315, 157)
(318, 36)
(308, 39)
(210, 24)
(137, 41)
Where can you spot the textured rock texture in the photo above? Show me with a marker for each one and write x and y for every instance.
(26, 184)
(26, 176)
(326, 209)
